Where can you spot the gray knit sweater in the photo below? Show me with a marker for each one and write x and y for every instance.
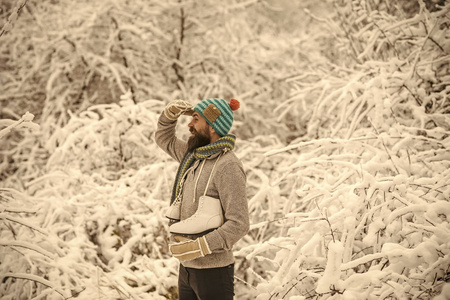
(228, 184)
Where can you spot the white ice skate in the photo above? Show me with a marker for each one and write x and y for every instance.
(208, 216)
(174, 211)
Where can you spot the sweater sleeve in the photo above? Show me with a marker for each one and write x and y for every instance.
(231, 185)
(166, 139)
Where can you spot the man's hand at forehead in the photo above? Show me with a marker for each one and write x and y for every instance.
(177, 108)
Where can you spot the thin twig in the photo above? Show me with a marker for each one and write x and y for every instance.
(385, 148)
(36, 279)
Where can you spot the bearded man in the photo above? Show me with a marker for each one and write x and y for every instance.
(209, 211)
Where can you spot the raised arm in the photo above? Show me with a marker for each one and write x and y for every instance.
(165, 134)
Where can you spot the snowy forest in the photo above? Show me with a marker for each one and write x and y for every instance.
(343, 130)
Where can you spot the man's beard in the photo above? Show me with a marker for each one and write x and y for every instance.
(199, 139)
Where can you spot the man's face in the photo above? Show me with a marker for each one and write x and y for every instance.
(200, 132)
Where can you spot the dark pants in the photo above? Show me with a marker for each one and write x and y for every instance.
(206, 284)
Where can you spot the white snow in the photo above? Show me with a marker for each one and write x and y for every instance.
(344, 142)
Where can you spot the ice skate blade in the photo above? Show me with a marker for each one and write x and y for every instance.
(173, 220)
(193, 236)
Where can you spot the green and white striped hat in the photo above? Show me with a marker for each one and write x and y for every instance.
(218, 113)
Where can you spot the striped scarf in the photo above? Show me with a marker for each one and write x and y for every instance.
(225, 142)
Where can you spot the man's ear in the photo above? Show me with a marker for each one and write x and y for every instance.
(211, 130)
(214, 135)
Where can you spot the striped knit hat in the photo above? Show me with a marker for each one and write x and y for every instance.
(218, 113)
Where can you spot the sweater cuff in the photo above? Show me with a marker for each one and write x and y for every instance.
(164, 119)
(215, 241)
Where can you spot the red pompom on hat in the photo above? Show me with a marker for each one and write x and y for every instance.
(234, 104)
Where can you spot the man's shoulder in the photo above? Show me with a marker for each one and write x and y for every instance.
(228, 158)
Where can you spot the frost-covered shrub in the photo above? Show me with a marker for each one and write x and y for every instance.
(106, 188)
(92, 225)
(407, 59)
(32, 257)
(364, 197)
(68, 56)
(353, 227)
(107, 139)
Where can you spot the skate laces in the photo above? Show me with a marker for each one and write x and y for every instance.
(210, 176)
(225, 143)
